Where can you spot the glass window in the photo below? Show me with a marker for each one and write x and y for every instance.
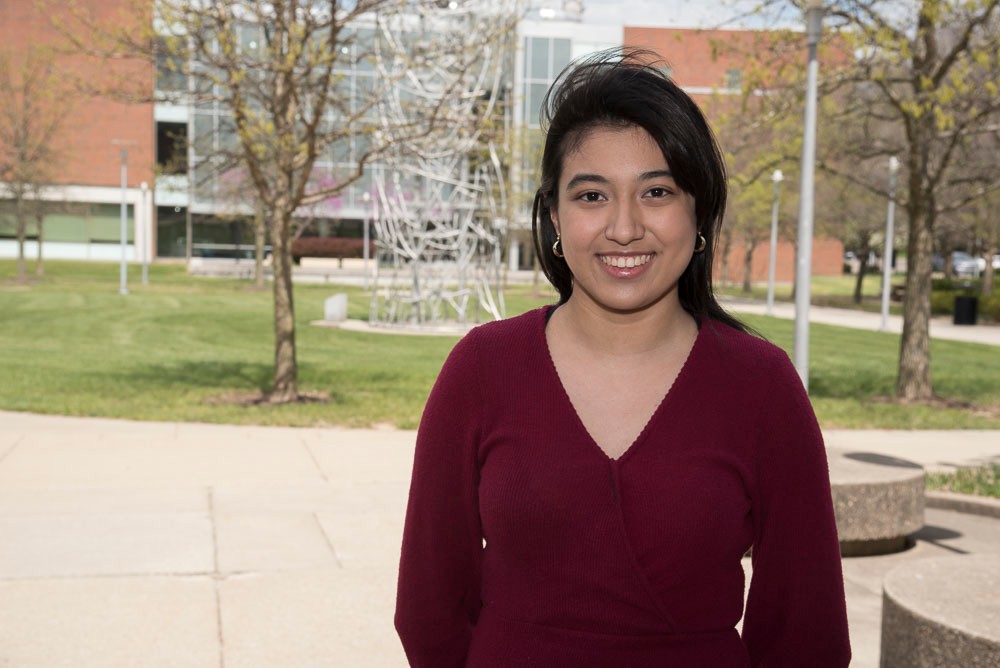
(362, 144)
(364, 50)
(362, 186)
(539, 55)
(536, 92)
(250, 39)
(204, 134)
(560, 56)
(204, 180)
(340, 150)
(734, 79)
(228, 141)
(170, 75)
(364, 90)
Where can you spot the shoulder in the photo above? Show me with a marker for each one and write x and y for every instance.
(518, 326)
(498, 343)
(488, 362)
(507, 335)
(741, 352)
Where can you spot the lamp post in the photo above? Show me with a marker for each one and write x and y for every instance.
(123, 282)
(889, 240)
(803, 254)
(777, 177)
(366, 197)
(147, 226)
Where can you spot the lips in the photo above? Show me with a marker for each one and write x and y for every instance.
(625, 261)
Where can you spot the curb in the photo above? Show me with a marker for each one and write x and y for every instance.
(963, 503)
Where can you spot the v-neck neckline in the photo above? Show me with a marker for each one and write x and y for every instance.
(660, 407)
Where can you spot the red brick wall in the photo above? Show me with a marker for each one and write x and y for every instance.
(690, 53)
(828, 260)
(88, 155)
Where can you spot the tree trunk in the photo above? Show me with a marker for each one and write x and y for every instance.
(727, 240)
(40, 221)
(914, 379)
(862, 270)
(863, 252)
(285, 387)
(21, 224)
(259, 241)
(748, 265)
(986, 289)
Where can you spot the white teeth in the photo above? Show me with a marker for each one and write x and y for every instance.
(624, 262)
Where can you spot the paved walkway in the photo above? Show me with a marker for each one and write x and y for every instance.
(941, 327)
(152, 544)
(351, 272)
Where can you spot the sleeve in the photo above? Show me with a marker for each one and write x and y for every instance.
(796, 612)
(438, 593)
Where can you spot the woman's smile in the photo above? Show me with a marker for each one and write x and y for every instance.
(625, 261)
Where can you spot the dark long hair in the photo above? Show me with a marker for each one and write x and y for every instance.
(624, 88)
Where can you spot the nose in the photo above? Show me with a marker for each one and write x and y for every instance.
(624, 224)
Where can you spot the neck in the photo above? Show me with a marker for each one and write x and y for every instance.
(626, 333)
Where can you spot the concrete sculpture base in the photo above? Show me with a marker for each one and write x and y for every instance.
(878, 501)
(943, 611)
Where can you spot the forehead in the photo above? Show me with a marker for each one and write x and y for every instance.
(608, 149)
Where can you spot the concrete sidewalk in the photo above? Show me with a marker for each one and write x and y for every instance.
(152, 544)
(941, 327)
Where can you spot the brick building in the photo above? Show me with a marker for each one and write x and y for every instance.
(84, 192)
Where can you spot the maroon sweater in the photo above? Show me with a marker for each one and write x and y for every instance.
(525, 545)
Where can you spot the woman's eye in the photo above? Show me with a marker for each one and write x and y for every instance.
(591, 196)
(658, 192)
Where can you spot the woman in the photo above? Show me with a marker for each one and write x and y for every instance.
(589, 476)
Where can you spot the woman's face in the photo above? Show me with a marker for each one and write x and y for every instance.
(628, 231)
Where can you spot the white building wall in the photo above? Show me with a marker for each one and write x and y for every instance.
(144, 237)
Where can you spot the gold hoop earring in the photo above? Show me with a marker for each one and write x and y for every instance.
(702, 243)
(557, 247)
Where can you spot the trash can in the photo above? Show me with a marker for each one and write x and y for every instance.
(965, 310)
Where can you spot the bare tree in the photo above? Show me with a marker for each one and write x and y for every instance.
(278, 67)
(32, 113)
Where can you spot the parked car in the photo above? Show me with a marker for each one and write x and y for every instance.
(964, 264)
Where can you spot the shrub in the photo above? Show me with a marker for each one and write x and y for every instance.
(989, 308)
(335, 247)
(943, 303)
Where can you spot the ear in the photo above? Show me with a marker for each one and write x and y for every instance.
(554, 215)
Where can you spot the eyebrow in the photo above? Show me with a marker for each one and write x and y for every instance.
(597, 178)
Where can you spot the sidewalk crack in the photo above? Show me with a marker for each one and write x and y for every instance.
(11, 448)
(215, 531)
(329, 543)
(315, 461)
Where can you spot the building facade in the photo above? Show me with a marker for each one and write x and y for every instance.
(180, 204)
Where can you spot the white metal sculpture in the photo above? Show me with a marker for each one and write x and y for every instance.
(441, 201)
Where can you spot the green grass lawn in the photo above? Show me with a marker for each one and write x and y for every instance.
(835, 291)
(70, 344)
(981, 481)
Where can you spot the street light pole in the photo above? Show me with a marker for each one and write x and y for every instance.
(123, 283)
(366, 197)
(147, 226)
(777, 177)
(889, 241)
(803, 263)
